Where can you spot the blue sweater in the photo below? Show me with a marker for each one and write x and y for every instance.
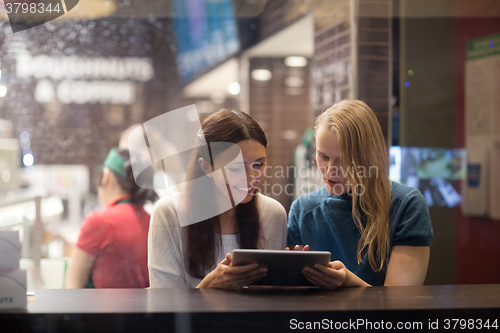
(324, 222)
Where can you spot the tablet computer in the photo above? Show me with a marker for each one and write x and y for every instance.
(284, 268)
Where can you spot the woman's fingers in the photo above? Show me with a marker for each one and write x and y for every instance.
(227, 260)
(245, 275)
(316, 281)
(248, 279)
(226, 276)
(327, 270)
(249, 271)
(298, 248)
(240, 269)
(324, 277)
(314, 272)
(336, 264)
(238, 281)
(255, 279)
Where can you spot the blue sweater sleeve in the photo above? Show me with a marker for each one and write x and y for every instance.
(294, 225)
(414, 227)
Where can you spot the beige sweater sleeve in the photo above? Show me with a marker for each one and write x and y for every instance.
(165, 249)
(274, 224)
(165, 257)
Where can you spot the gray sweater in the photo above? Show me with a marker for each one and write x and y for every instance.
(166, 252)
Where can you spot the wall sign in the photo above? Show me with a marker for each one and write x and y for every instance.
(84, 80)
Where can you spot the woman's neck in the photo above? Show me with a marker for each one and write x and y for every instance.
(228, 223)
(113, 196)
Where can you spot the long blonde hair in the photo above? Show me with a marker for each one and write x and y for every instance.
(362, 144)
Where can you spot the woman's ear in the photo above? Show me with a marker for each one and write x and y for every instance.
(205, 167)
(105, 176)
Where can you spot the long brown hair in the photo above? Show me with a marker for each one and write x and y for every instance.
(361, 143)
(203, 241)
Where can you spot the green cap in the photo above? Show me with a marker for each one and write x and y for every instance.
(114, 162)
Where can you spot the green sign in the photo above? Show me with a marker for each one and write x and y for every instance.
(483, 47)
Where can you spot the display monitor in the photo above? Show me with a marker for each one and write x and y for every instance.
(206, 33)
(436, 172)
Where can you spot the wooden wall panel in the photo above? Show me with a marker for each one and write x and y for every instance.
(283, 117)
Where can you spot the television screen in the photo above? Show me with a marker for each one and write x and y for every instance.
(206, 33)
(434, 171)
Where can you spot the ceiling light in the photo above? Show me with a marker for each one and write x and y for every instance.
(261, 74)
(3, 91)
(234, 88)
(296, 61)
(28, 160)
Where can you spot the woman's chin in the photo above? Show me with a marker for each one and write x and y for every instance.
(337, 189)
(242, 198)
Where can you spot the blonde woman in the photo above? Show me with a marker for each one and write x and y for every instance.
(378, 231)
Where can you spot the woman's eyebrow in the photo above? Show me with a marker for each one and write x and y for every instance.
(262, 159)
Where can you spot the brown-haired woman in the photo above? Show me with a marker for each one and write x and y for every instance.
(198, 254)
(111, 251)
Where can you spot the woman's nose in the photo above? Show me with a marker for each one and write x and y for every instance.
(251, 174)
(332, 169)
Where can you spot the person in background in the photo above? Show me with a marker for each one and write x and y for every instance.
(111, 251)
(198, 255)
(172, 171)
(378, 232)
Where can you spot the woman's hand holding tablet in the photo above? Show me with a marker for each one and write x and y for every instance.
(333, 276)
(299, 248)
(227, 276)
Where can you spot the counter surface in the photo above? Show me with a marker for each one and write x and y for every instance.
(263, 309)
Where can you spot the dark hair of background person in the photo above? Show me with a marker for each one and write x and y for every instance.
(138, 195)
(203, 241)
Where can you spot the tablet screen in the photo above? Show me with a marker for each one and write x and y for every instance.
(284, 268)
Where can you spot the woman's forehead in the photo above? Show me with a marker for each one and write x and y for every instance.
(244, 152)
(326, 140)
(252, 150)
